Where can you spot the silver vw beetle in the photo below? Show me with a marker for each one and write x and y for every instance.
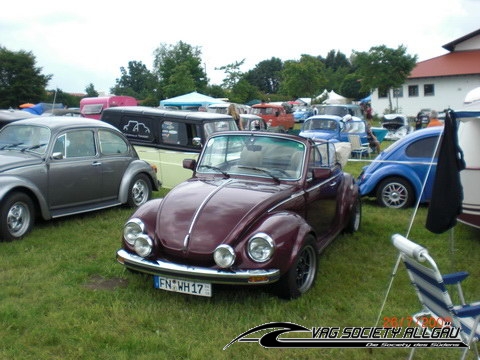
(57, 166)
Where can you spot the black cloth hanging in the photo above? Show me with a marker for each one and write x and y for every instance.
(447, 193)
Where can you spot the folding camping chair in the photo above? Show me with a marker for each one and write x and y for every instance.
(431, 290)
(358, 149)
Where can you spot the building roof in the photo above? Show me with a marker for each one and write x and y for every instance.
(451, 45)
(451, 64)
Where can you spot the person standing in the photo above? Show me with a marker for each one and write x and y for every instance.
(232, 111)
(434, 119)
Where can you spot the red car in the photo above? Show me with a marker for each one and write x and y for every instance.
(258, 210)
(275, 115)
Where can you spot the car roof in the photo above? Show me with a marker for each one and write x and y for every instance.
(58, 123)
(177, 114)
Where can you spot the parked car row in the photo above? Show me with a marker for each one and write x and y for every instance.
(255, 207)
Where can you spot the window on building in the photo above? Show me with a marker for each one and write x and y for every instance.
(382, 93)
(412, 90)
(428, 90)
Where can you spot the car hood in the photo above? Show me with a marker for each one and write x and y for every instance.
(196, 216)
(15, 159)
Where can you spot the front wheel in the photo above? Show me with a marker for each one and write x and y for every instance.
(395, 193)
(17, 216)
(140, 191)
(302, 274)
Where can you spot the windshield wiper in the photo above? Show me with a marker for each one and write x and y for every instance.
(33, 147)
(227, 175)
(277, 180)
(8, 146)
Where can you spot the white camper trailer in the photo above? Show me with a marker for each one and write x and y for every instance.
(469, 140)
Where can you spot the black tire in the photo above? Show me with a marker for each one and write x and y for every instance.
(301, 276)
(140, 191)
(395, 193)
(17, 216)
(355, 219)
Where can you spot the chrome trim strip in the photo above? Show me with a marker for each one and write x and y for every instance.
(186, 272)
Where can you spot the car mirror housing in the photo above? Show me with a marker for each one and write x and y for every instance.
(57, 156)
(321, 172)
(189, 164)
(196, 141)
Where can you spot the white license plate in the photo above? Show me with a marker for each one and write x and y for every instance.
(182, 286)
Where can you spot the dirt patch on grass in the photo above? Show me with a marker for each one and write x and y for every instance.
(97, 282)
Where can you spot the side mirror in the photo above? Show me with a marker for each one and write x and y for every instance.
(196, 141)
(57, 156)
(321, 172)
(190, 164)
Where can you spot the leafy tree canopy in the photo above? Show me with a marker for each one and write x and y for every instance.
(170, 60)
(20, 80)
(303, 78)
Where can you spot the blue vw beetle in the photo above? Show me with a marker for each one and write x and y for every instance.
(397, 175)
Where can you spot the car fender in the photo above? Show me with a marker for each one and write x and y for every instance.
(347, 193)
(399, 170)
(9, 183)
(134, 168)
(288, 230)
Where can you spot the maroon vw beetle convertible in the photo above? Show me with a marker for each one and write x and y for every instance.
(258, 210)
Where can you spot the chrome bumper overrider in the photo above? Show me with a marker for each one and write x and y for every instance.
(227, 276)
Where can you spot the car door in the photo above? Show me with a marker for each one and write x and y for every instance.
(321, 193)
(115, 158)
(75, 171)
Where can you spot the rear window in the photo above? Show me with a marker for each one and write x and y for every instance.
(93, 109)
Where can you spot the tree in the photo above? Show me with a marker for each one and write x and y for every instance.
(90, 90)
(383, 68)
(20, 80)
(303, 78)
(136, 81)
(266, 75)
(233, 74)
(243, 92)
(170, 60)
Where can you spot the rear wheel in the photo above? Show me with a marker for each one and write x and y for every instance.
(302, 274)
(395, 193)
(17, 216)
(355, 219)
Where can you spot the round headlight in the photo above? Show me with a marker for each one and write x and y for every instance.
(224, 256)
(261, 247)
(132, 229)
(143, 245)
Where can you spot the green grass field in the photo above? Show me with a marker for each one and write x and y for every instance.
(64, 296)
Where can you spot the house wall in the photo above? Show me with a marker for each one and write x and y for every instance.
(470, 44)
(449, 92)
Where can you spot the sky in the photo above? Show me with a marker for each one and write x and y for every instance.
(87, 42)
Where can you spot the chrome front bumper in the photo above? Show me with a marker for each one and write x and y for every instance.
(186, 272)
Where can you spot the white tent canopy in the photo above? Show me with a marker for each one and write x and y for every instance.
(334, 98)
(193, 99)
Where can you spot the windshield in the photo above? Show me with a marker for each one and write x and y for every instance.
(320, 124)
(263, 156)
(25, 137)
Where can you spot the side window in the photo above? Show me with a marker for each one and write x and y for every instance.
(423, 148)
(323, 155)
(111, 143)
(174, 133)
(77, 143)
